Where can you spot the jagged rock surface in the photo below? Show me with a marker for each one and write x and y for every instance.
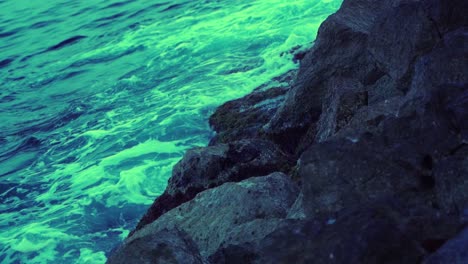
(376, 122)
(205, 168)
(229, 214)
(362, 61)
(356, 237)
(245, 117)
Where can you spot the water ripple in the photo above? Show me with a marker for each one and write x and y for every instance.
(100, 99)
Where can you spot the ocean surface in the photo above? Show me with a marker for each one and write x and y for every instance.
(99, 99)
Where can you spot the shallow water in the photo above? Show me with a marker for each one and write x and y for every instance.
(99, 99)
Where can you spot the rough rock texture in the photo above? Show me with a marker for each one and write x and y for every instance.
(360, 51)
(163, 247)
(245, 117)
(374, 129)
(204, 168)
(232, 213)
(356, 237)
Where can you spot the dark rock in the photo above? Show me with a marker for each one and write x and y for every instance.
(378, 116)
(365, 120)
(299, 56)
(169, 246)
(455, 251)
(368, 236)
(420, 157)
(234, 254)
(450, 178)
(339, 174)
(232, 213)
(396, 50)
(447, 15)
(340, 106)
(339, 52)
(444, 66)
(297, 52)
(204, 168)
(437, 90)
(245, 117)
(373, 235)
(358, 52)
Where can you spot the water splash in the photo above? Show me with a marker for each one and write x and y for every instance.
(100, 99)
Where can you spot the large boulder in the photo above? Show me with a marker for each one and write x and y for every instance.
(437, 99)
(205, 168)
(413, 145)
(232, 213)
(340, 51)
(376, 120)
(421, 153)
(361, 67)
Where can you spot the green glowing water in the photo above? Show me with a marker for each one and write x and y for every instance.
(90, 128)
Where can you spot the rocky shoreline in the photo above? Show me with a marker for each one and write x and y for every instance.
(361, 156)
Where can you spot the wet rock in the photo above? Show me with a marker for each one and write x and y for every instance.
(169, 246)
(204, 168)
(232, 213)
(244, 118)
(376, 120)
(297, 52)
(454, 251)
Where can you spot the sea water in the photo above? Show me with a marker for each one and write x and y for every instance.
(99, 99)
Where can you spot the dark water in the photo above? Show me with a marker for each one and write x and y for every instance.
(99, 99)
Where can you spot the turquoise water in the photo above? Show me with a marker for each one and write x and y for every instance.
(99, 99)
